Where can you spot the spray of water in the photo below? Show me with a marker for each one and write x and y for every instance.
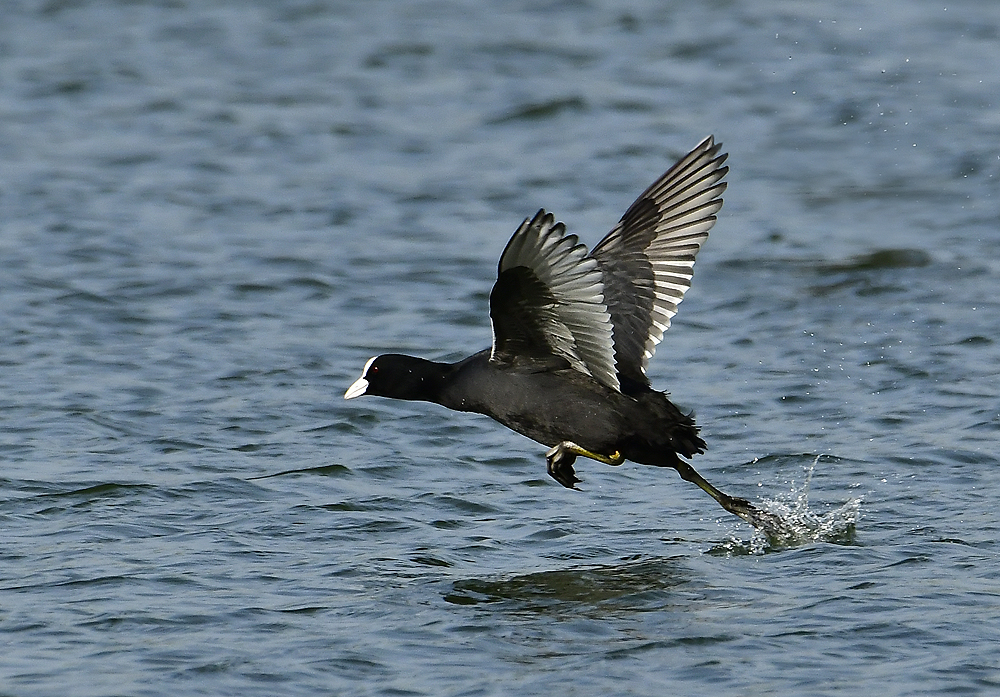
(798, 523)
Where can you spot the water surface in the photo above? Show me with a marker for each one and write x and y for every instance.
(212, 214)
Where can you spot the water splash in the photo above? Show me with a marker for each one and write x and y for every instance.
(798, 524)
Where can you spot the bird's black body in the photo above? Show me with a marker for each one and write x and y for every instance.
(573, 332)
(646, 428)
(548, 405)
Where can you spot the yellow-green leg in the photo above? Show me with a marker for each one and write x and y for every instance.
(768, 522)
(569, 447)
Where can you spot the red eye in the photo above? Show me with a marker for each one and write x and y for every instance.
(374, 369)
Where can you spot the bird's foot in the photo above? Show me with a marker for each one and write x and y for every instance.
(561, 457)
(763, 520)
(559, 464)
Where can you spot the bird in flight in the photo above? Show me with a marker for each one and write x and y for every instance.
(573, 333)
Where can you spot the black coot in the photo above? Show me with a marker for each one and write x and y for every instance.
(573, 333)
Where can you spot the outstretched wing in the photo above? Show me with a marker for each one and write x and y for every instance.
(547, 305)
(647, 260)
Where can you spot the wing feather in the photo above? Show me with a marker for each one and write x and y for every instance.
(647, 260)
(548, 303)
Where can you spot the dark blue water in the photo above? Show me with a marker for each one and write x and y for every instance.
(211, 214)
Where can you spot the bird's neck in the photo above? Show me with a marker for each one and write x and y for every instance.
(425, 380)
(461, 385)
